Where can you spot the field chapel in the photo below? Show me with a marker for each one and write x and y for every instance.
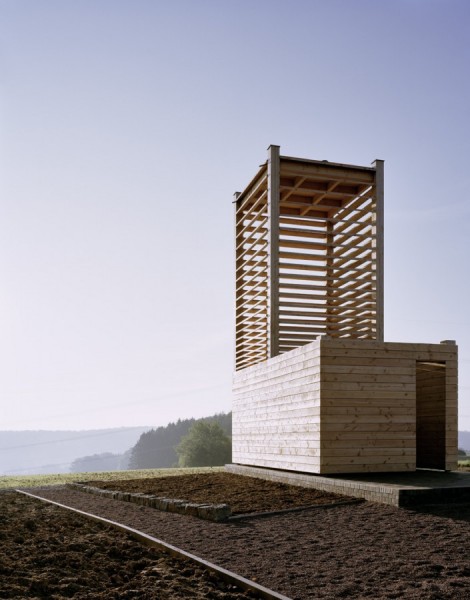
(316, 388)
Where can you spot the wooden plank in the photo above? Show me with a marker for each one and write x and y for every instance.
(360, 231)
(312, 322)
(354, 395)
(367, 411)
(287, 370)
(388, 346)
(254, 233)
(252, 293)
(353, 385)
(282, 428)
(337, 421)
(383, 452)
(371, 378)
(370, 352)
(291, 189)
(274, 406)
(365, 460)
(326, 172)
(348, 402)
(360, 442)
(255, 249)
(253, 187)
(302, 287)
(273, 170)
(379, 243)
(238, 328)
(359, 437)
(356, 211)
(253, 215)
(319, 190)
(302, 232)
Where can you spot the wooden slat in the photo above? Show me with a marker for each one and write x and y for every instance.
(379, 241)
(325, 174)
(311, 228)
(257, 184)
(304, 233)
(254, 216)
(273, 167)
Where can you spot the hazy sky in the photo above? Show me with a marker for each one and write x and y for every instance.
(125, 128)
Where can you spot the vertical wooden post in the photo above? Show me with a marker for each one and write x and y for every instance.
(273, 165)
(378, 230)
(329, 276)
(236, 195)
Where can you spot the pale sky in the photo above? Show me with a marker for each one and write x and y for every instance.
(125, 128)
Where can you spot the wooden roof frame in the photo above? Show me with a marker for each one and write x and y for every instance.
(309, 255)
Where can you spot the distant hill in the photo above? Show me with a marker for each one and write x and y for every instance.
(31, 452)
(464, 440)
(37, 452)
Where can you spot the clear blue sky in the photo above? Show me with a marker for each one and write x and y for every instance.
(125, 128)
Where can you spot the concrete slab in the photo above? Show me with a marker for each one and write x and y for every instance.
(397, 489)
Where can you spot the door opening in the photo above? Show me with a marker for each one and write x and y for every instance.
(430, 415)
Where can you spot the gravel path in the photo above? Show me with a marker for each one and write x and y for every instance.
(359, 551)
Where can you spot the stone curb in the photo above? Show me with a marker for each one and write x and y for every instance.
(209, 512)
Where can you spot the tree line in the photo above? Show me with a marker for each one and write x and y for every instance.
(186, 443)
(158, 448)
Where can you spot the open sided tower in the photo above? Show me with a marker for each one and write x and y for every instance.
(316, 388)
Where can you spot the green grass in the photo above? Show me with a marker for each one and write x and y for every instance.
(27, 481)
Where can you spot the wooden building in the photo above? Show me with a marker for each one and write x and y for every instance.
(316, 389)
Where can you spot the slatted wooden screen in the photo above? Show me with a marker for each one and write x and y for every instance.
(251, 253)
(309, 255)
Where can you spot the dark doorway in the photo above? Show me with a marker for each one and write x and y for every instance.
(430, 415)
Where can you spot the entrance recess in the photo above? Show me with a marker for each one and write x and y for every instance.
(430, 415)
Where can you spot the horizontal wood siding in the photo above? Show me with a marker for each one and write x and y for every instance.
(339, 406)
(452, 409)
(368, 404)
(276, 412)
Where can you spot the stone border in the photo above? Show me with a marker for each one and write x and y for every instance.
(394, 494)
(356, 489)
(209, 512)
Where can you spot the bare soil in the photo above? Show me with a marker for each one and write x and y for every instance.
(243, 494)
(47, 552)
(364, 550)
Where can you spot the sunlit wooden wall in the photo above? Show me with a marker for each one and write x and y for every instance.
(349, 406)
(309, 255)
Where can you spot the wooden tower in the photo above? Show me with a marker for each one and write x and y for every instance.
(309, 255)
(316, 388)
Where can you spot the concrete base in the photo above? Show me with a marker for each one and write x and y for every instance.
(397, 489)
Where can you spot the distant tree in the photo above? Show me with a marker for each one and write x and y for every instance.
(205, 445)
(462, 452)
(224, 420)
(156, 449)
(96, 462)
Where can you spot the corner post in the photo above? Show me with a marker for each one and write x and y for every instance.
(378, 232)
(329, 331)
(273, 165)
(238, 227)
